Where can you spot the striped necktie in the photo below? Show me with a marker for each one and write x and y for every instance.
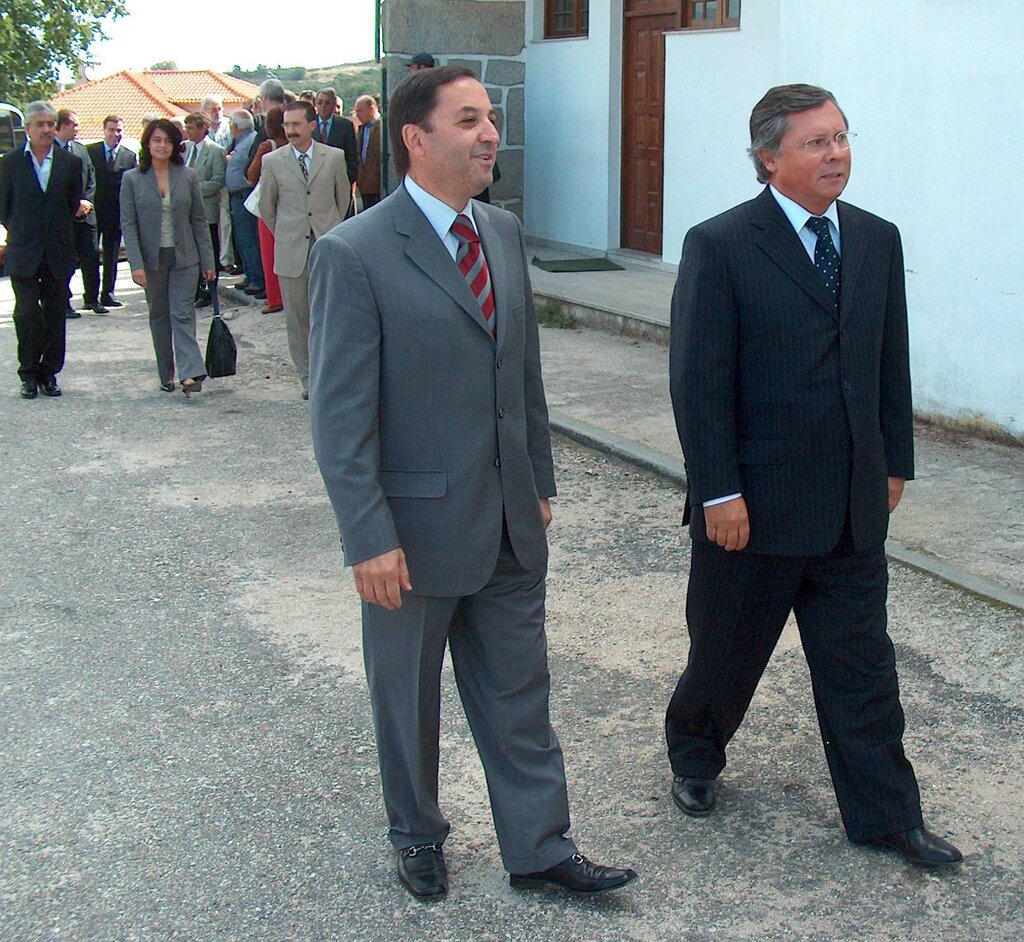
(302, 166)
(473, 266)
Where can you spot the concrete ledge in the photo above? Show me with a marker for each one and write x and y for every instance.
(672, 470)
(626, 323)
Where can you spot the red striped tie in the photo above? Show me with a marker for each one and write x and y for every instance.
(473, 266)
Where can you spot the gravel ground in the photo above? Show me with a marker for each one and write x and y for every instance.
(187, 751)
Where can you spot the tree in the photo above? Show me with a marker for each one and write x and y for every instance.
(168, 65)
(36, 39)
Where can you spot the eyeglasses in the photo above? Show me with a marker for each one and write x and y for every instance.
(817, 146)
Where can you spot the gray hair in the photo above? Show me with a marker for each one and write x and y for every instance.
(241, 119)
(210, 100)
(273, 90)
(36, 108)
(769, 120)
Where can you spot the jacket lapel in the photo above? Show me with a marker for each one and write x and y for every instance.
(315, 163)
(854, 250)
(497, 265)
(778, 240)
(425, 250)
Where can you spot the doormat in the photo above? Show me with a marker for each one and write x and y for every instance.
(576, 264)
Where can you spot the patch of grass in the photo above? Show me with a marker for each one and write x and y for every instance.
(550, 314)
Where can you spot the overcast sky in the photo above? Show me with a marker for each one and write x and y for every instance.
(189, 33)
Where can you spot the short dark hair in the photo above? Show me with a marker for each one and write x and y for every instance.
(413, 100)
(197, 117)
(769, 119)
(109, 118)
(302, 105)
(171, 130)
(63, 117)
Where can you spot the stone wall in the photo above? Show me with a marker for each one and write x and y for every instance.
(487, 36)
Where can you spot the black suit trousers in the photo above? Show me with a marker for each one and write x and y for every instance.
(40, 304)
(87, 253)
(110, 236)
(737, 605)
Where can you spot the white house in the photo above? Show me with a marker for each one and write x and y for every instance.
(636, 129)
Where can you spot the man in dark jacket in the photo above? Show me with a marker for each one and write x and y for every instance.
(40, 193)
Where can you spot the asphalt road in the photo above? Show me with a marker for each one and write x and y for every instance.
(186, 748)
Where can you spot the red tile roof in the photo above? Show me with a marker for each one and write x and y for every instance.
(130, 95)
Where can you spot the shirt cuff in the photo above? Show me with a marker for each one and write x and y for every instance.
(720, 500)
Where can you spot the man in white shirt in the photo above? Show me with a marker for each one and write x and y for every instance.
(206, 157)
(220, 131)
(304, 192)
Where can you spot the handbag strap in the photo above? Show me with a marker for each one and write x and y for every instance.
(215, 299)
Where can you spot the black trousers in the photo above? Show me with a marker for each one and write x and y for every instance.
(110, 236)
(88, 260)
(204, 292)
(40, 303)
(736, 607)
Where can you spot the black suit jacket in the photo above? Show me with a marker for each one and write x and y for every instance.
(343, 135)
(108, 183)
(802, 408)
(39, 224)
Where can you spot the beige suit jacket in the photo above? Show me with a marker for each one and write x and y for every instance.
(299, 213)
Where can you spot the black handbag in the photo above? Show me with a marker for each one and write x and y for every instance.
(221, 352)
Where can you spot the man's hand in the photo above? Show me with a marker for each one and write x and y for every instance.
(139, 277)
(380, 580)
(209, 276)
(3, 251)
(896, 486)
(84, 208)
(728, 524)
(545, 511)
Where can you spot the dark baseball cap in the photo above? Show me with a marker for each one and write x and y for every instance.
(422, 58)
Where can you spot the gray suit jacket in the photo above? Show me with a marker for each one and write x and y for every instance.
(209, 167)
(428, 432)
(294, 210)
(88, 179)
(140, 220)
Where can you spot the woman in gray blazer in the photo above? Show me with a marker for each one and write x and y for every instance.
(168, 242)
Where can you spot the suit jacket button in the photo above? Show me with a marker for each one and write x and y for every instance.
(498, 363)
(501, 413)
(497, 462)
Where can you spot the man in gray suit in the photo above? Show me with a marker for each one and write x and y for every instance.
(431, 430)
(206, 157)
(85, 218)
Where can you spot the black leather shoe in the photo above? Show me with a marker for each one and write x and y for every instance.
(28, 389)
(98, 309)
(694, 796)
(423, 871)
(70, 314)
(921, 847)
(49, 387)
(204, 302)
(108, 301)
(576, 874)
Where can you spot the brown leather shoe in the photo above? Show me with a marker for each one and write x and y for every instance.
(272, 309)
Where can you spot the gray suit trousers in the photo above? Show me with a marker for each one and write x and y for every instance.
(499, 653)
(295, 297)
(171, 296)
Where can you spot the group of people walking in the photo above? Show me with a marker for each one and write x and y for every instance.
(187, 208)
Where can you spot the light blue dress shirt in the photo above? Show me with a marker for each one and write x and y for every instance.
(42, 169)
(440, 215)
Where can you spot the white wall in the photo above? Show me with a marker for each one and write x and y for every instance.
(938, 153)
(569, 103)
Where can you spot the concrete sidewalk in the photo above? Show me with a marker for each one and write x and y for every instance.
(962, 518)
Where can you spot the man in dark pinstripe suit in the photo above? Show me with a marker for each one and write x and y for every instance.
(790, 382)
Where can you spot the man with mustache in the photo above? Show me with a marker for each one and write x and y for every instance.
(304, 192)
(431, 430)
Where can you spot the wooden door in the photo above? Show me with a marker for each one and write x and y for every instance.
(643, 120)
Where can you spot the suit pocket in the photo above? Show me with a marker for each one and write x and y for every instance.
(414, 483)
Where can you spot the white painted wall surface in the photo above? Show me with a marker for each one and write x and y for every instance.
(568, 108)
(930, 86)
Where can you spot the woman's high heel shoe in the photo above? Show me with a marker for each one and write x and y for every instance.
(189, 386)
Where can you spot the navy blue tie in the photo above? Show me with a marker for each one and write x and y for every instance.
(826, 258)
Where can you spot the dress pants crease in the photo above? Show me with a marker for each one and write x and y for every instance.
(40, 305)
(737, 606)
(295, 297)
(499, 655)
(170, 295)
